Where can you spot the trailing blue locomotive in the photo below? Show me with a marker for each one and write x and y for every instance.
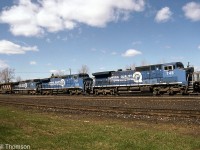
(26, 87)
(169, 78)
(69, 84)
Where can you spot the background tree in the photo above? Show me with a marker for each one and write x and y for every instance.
(84, 69)
(144, 63)
(130, 67)
(57, 73)
(18, 79)
(6, 75)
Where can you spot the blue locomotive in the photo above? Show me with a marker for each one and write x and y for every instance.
(26, 87)
(69, 84)
(170, 78)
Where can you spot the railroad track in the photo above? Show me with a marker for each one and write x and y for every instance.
(156, 108)
(162, 102)
(99, 97)
(113, 110)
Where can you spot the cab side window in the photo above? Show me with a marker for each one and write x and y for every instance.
(168, 68)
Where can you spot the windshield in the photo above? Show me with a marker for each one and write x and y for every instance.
(179, 65)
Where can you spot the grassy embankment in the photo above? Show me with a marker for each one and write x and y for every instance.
(50, 131)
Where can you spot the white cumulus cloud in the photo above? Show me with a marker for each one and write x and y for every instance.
(33, 62)
(192, 11)
(7, 47)
(131, 53)
(30, 18)
(163, 15)
(22, 18)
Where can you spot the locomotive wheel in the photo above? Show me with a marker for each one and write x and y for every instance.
(70, 93)
(96, 93)
(112, 92)
(156, 92)
(182, 92)
(170, 92)
(104, 92)
(78, 92)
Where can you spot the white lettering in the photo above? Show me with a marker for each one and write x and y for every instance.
(170, 72)
(57, 83)
(22, 85)
(9, 146)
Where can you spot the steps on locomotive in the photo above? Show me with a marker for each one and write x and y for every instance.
(191, 88)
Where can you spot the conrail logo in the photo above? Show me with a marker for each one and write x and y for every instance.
(57, 83)
(62, 82)
(137, 77)
(23, 85)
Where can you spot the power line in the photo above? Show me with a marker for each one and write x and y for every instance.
(27, 72)
(32, 72)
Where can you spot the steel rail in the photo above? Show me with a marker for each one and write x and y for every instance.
(116, 109)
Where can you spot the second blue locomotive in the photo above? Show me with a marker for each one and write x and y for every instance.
(69, 84)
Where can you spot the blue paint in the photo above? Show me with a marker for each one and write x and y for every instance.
(169, 73)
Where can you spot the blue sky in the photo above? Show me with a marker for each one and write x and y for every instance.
(40, 37)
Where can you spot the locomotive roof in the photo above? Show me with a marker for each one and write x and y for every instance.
(31, 80)
(45, 80)
(102, 74)
(164, 64)
(65, 76)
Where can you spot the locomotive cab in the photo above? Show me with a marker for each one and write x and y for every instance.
(87, 82)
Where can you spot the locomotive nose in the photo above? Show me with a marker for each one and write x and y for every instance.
(88, 82)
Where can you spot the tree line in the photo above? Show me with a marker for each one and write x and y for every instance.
(8, 74)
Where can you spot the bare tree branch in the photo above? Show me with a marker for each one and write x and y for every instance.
(144, 63)
(6, 75)
(84, 69)
(18, 79)
(130, 67)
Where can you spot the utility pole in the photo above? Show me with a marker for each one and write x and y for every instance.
(188, 64)
(70, 71)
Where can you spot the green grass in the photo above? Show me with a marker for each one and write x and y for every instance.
(50, 131)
